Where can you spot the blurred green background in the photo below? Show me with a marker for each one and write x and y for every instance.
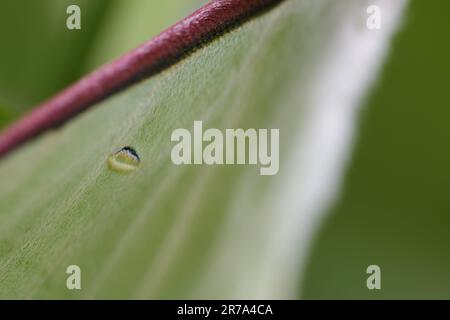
(394, 208)
(40, 56)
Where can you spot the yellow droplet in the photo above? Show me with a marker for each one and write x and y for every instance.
(125, 160)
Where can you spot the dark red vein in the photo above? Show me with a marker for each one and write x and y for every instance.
(209, 22)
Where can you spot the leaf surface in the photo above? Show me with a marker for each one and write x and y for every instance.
(167, 231)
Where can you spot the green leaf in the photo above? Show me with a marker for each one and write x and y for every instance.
(166, 231)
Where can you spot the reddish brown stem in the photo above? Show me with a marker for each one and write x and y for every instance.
(169, 47)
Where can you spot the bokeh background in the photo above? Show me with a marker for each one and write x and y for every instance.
(394, 206)
(40, 56)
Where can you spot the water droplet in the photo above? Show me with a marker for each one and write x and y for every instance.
(125, 160)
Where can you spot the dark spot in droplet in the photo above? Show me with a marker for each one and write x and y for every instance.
(124, 160)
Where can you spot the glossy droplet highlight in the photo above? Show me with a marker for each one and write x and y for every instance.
(125, 160)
